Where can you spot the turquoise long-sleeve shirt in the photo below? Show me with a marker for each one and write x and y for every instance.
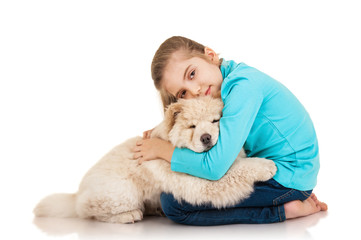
(264, 117)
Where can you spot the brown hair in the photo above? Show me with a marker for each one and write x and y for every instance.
(162, 56)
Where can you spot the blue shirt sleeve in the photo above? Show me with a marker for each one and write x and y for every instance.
(242, 97)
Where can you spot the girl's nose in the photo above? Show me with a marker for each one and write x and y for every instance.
(195, 90)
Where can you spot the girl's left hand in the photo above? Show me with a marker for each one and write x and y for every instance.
(151, 149)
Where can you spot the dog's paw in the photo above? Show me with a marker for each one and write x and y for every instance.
(125, 217)
(129, 217)
(267, 170)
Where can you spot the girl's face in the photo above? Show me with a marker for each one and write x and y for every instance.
(192, 77)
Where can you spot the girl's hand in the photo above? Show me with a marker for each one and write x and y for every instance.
(151, 149)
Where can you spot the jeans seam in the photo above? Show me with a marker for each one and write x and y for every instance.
(287, 194)
(304, 193)
(281, 214)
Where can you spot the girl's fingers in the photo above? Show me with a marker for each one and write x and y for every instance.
(135, 149)
(137, 155)
(146, 134)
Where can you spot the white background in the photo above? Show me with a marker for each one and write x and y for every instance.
(75, 81)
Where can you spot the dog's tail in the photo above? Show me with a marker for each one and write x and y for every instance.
(57, 205)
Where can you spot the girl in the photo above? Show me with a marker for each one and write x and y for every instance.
(259, 114)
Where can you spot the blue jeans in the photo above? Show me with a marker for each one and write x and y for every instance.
(265, 205)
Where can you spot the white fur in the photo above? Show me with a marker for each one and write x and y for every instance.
(119, 190)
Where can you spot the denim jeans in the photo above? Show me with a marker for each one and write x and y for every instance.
(265, 205)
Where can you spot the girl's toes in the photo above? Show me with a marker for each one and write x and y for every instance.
(323, 206)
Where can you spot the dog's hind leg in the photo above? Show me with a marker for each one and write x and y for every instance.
(257, 169)
(108, 207)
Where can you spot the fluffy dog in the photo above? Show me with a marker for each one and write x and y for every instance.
(118, 190)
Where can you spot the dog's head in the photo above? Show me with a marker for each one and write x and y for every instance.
(194, 123)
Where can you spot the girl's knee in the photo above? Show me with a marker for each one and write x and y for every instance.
(173, 209)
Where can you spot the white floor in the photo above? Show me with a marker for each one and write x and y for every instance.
(162, 228)
(18, 223)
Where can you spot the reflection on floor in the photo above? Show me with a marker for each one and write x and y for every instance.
(162, 228)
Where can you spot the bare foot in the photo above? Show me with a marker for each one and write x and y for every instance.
(299, 208)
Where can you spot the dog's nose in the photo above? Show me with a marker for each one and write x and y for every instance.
(206, 139)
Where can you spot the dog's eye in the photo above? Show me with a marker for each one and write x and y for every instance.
(192, 126)
(215, 120)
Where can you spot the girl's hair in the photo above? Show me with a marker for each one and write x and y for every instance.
(161, 59)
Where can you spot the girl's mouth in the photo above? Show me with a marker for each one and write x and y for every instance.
(208, 91)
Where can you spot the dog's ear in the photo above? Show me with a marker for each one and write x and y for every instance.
(171, 114)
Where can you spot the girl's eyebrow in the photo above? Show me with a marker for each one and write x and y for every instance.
(185, 72)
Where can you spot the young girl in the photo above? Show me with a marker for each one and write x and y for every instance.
(259, 114)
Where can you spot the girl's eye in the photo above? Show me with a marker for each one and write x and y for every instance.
(191, 76)
(192, 126)
(215, 120)
(182, 94)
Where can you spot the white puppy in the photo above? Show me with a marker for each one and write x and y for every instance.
(118, 190)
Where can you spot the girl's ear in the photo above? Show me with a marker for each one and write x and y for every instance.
(212, 55)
